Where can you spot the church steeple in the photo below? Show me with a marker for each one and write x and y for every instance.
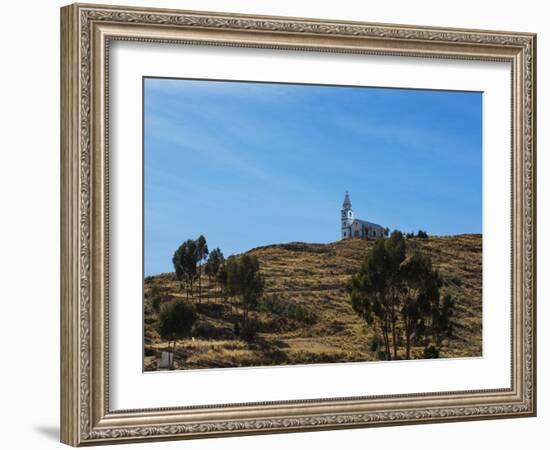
(347, 202)
(346, 217)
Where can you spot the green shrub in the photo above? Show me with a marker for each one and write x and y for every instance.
(375, 343)
(287, 309)
(205, 330)
(248, 330)
(431, 352)
(155, 303)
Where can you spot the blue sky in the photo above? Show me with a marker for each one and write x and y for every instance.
(251, 164)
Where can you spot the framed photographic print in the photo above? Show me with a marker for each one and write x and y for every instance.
(277, 224)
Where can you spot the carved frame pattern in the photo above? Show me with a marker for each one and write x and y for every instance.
(86, 418)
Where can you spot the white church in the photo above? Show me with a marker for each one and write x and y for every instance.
(356, 228)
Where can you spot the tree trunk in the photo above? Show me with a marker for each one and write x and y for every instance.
(408, 345)
(394, 331)
(386, 326)
(386, 343)
(200, 282)
(170, 357)
(386, 336)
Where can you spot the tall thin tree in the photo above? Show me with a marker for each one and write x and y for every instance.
(213, 264)
(185, 265)
(245, 280)
(175, 321)
(201, 254)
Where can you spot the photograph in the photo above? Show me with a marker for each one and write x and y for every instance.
(298, 224)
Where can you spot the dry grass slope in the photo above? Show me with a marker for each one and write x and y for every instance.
(306, 316)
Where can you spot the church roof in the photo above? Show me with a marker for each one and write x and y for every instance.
(368, 224)
(347, 201)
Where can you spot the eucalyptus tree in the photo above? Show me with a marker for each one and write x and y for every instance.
(396, 253)
(175, 321)
(221, 278)
(400, 295)
(419, 294)
(245, 281)
(369, 292)
(185, 265)
(212, 267)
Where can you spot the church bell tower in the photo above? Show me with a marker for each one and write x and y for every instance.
(346, 217)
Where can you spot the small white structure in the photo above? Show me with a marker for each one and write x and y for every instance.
(165, 360)
(357, 228)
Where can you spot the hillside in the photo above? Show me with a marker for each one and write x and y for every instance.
(306, 316)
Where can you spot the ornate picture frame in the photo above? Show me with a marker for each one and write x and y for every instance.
(87, 31)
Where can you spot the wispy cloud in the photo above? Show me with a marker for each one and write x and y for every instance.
(183, 138)
(428, 141)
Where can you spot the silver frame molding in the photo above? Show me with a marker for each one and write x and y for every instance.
(86, 32)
